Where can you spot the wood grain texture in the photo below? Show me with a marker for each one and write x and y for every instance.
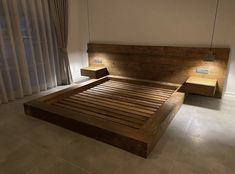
(202, 81)
(201, 86)
(94, 71)
(128, 113)
(160, 63)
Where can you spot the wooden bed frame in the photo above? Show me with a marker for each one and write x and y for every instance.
(160, 63)
(128, 113)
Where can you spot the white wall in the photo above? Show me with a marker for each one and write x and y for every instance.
(225, 36)
(153, 22)
(162, 22)
(78, 38)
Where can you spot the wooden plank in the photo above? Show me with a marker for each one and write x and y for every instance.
(130, 88)
(78, 110)
(143, 92)
(126, 91)
(111, 110)
(84, 99)
(120, 105)
(92, 95)
(103, 111)
(138, 86)
(145, 82)
(54, 97)
(111, 119)
(140, 94)
(144, 50)
(129, 95)
(118, 135)
(125, 99)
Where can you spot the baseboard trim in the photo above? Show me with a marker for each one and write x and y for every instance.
(230, 94)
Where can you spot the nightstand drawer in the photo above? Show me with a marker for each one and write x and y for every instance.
(201, 86)
(201, 90)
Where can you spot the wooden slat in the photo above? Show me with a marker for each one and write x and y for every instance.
(145, 82)
(153, 93)
(89, 94)
(102, 111)
(137, 86)
(109, 105)
(54, 97)
(129, 95)
(100, 99)
(140, 92)
(137, 94)
(110, 110)
(123, 122)
(126, 99)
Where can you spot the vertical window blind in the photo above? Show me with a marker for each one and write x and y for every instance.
(29, 53)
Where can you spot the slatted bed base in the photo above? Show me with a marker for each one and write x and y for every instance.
(128, 113)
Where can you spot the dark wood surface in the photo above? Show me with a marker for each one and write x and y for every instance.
(201, 86)
(94, 72)
(160, 63)
(128, 113)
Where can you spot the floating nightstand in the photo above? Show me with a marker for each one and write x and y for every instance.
(201, 86)
(94, 72)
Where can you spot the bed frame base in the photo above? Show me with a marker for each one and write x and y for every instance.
(140, 142)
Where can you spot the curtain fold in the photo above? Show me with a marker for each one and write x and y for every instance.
(29, 54)
(59, 16)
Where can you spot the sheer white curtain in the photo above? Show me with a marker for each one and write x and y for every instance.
(29, 60)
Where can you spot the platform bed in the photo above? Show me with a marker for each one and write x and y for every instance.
(128, 113)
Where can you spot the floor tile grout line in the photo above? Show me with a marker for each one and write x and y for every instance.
(60, 158)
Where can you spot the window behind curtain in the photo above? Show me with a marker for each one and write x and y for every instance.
(28, 49)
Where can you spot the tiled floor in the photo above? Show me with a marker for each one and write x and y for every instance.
(201, 139)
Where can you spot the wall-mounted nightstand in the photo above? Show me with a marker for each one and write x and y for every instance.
(94, 72)
(201, 86)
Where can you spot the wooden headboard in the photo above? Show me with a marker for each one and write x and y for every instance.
(160, 63)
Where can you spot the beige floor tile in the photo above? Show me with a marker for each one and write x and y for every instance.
(8, 144)
(57, 166)
(206, 155)
(97, 157)
(52, 138)
(92, 155)
(130, 164)
(23, 159)
(20, 126)
(184, 168)
(168, 146)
